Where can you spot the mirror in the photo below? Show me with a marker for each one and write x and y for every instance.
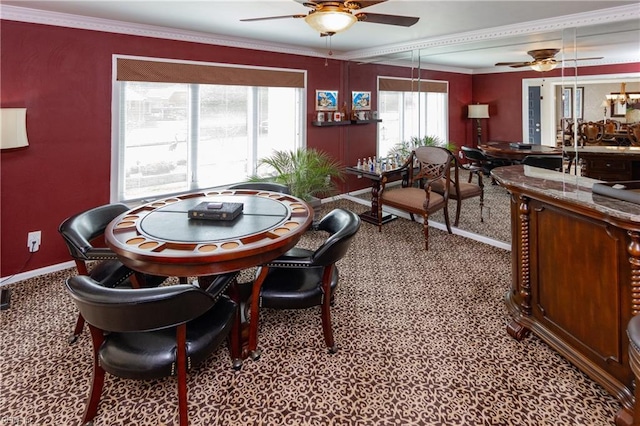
(545, 124)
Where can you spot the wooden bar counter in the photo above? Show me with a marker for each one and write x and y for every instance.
(575, 273)
(610, 163)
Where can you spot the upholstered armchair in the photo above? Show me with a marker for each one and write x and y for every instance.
(460, 190)
(83, 234)
(152, 333)
(425, 165)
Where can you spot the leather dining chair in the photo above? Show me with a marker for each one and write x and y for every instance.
(461, 190)
(416, 195)
(550, 162)
(591, 133)
(152, 333)
(262, 186)
(477, 162)
(83, 234)
(633, 130)
(303, 278)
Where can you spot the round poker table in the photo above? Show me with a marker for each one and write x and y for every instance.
(511, 152)
(161, 237)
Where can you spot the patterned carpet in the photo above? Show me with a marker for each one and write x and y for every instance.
(421, 339)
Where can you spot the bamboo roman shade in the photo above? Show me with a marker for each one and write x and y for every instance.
(408, 85)
(177, 72)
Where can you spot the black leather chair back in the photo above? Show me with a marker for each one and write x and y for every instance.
(551, 162)
(145, 309)
(342, 225)
(473, 154)
(80, 229)
(263, 186)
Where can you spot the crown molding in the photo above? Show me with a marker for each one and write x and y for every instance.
(616, 14)
(34, 16)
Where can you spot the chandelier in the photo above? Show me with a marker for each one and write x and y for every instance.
(623, 97)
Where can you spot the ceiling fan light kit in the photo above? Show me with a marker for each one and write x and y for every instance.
(543, 66)
(330, 20)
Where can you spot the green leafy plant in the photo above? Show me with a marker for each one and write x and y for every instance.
(307, 172)
(404, 148)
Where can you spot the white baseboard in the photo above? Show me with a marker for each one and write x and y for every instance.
(36, 273)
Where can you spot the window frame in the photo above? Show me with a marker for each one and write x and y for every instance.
(118, 114)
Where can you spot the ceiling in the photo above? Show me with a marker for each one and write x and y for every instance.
(464, 36)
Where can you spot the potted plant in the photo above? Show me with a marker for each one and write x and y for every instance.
(404, 148)
(308, 173)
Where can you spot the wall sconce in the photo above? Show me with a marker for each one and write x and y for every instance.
(13, 128)
(478, 111)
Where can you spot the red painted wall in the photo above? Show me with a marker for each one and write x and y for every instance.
(63, 77)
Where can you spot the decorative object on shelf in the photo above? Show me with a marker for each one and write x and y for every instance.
(13, 128)
(326, 100)
(337, 116)
(361, 101)
(478, 112)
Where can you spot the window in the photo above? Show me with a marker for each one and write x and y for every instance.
(407, 113)
(176, 136)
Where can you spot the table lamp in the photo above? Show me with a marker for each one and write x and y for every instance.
(478, 111)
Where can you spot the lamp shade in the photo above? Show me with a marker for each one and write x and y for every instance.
(13, 128)
(330, 19)
(478, 111)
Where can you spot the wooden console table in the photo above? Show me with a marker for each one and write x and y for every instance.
(608, 163)
(371, 216)
(575, 273)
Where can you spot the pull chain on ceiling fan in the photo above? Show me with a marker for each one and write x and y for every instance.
(331, 17)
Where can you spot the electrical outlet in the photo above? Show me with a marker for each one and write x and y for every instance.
(33, 240)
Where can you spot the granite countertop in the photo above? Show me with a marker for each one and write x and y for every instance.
(565, 187)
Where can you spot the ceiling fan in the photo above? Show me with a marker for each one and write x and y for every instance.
(331, 17)
(543, 60)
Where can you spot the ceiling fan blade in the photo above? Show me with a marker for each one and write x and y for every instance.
(267, 18)
(377, 18)
(512, 64)
(585, 59)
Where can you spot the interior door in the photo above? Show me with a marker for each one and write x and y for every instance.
(534, 115)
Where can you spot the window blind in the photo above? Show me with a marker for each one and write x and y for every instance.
(408, 85)
(177, 72)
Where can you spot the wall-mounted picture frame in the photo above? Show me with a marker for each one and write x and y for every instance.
(361, 101)
(567, 102)
(326, 100)
(579, 102)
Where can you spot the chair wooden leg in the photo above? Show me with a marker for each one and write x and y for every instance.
(326, 310)
(425, 228)
(481, 206)
(458, 208)
(91, 410)
(77, 331)
(254, 313)
(446, 217)
(181, 361)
